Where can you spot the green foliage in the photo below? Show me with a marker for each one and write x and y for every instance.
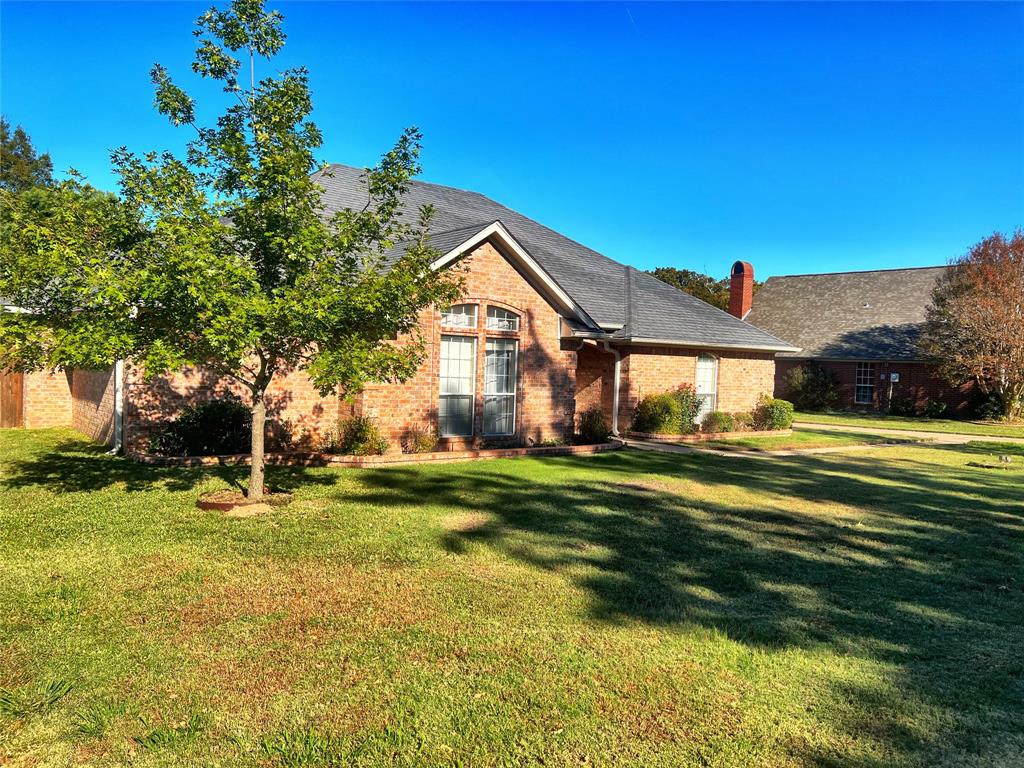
(704, 287)
(898, 406)
(356, 436)
(670, 413)
(594, 426)
(169, 734)
(234, 265)
(718, 421)
(210, 428)
(32, 699)
(934, 409)
(420, 441)
(95, 719)
(773, 413)
(20, 167)
(988, 407)
(743, 421)
(811, 387)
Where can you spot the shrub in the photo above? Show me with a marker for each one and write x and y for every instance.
(773, 413)
(658, 413)
(420, 441)
(667, 412)
(988, 407)
(355, 436)
(743, 421)
(811, 387)
(935, 409)
(718, 421)
(211, 428)
(594, 426)
(902, 406)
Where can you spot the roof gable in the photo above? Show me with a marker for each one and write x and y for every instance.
(848, 315)
(597, 284)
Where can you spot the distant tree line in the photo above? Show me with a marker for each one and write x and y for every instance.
(706, 288)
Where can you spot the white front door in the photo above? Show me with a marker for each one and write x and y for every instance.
(707, 384)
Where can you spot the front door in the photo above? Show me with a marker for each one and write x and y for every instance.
(707, 385)
(12, 399)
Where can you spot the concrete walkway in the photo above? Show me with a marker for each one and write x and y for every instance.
(653, 445)
(949, 438)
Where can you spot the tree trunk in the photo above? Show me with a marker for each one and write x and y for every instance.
(259, 420)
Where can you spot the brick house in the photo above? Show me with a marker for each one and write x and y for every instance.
(863, 326)
(546, 329)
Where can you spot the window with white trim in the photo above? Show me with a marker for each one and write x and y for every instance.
(864, 393)
(500, 387)
(499, 319)
(706, 384)
(458, 374)
(459, 316)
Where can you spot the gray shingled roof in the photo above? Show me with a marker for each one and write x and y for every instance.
(848, 315)
(597, 283)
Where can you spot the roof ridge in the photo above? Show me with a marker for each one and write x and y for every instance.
(858, 272)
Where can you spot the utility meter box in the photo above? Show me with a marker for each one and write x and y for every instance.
(894, 377)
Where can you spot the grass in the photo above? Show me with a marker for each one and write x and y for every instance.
(625, 609)
(920, 424)
(803, 437)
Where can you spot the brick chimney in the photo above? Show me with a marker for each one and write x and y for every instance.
(741, 289)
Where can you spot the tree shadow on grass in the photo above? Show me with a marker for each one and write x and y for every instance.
(912, 564)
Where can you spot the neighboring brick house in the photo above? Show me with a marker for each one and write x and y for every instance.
(546, 328)
(863, 326)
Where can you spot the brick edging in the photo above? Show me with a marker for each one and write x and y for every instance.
(699, 437)
(334, 460)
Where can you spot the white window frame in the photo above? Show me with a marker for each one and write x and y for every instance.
(864, 378)
(452, 317)
(472, 387)
(514, 394)
(706, 406)
(502, 323)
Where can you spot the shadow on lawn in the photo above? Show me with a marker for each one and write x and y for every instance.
(921, 569)
(917, 574)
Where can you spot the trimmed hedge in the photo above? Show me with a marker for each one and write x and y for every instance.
(773, 413)
(594, 426)
(668, 413)
(211, 428)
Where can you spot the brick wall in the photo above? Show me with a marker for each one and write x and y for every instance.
(742, 376)
(296, 413)
(47, 399)
(92, 404)
(917, 381)
(545, 404)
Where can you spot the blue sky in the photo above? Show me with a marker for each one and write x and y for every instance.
(802, 138)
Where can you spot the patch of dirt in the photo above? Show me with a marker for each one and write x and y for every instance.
(466, 522)
(235, 501)
(248, 510)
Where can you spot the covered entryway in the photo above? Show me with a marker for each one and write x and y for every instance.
(12, 399)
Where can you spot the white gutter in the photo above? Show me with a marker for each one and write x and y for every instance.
(615, 386)
(118, 406)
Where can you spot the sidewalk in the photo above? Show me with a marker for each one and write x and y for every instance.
(948, 438)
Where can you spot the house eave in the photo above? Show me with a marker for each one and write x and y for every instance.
(638, 340)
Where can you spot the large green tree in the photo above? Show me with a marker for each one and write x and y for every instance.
(706, 288)
(236, 267)
(975, 323)
(20, 167)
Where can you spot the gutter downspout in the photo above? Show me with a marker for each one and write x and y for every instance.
(615, 386)
(118, 406)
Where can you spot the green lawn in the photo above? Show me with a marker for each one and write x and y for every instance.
(987, 428)
(630, 608)
(803, 438)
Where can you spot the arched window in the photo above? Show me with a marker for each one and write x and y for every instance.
(499, 319)
(459, 316)
(706, 384)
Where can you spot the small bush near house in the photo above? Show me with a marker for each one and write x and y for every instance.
(811, 387)
(668, 413)
(356, 436)
(902, 406)
(212, 428)
(743, 421)
(935, 409)
(718, 421)
(988, 407)
(773, 413)
(420, 441)
(594, 426)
